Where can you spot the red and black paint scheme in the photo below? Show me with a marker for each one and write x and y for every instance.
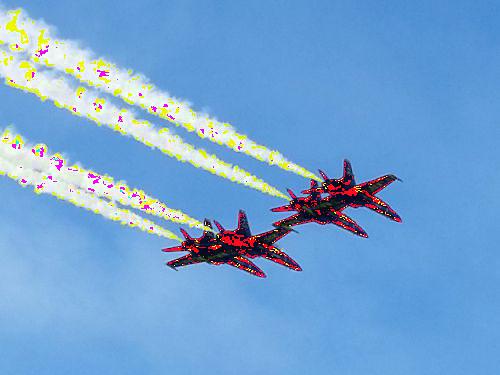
(233, 248)
(345, 191)
(314, 208)
(259, 245)
(206, 249)
(237, 247)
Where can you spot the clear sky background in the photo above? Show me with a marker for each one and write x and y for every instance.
(409, 88)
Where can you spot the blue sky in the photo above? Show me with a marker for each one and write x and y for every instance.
(409, 88)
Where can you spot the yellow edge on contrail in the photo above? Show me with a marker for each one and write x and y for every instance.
(103, 186)
(67, 57)
(21, 74)
(48, 185)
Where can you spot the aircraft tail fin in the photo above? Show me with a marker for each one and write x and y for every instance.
(219, 226)
(323, 174)
(243, 226)
(207, 223)
(186, 235)
(348, 177)
(208, 234)
(291, 193)
(313, 188)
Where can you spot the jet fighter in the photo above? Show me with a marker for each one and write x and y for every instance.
(345, 191)
(233, 247)
(209, 249)
(259, 245)
(313, 208)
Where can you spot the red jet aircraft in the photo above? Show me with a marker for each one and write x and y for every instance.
(259, 245)
(345, 191)
(233, 248)
(208, 249)
(313, 208)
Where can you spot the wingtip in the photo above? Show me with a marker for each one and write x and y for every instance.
(172, 267)
(288, 227)
(295, 267)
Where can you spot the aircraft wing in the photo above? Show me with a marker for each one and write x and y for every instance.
(183, 261)
(379, 206)
(374, 186)
(273, 235)
(244, 264)
(276, 255)
(297, 219)
(333, 202)
(344, 221)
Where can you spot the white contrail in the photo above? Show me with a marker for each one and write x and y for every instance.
(80, 101)
(36, 39)
(49, 185)
(38, 158)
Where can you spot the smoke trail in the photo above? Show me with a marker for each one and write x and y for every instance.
(38, 158)
(23, 75)
(49, 185)
(66, 56)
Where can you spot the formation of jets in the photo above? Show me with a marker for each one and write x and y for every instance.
(323, 204)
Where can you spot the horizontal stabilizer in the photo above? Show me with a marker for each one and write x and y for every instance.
(285, 208)
(174, 249)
